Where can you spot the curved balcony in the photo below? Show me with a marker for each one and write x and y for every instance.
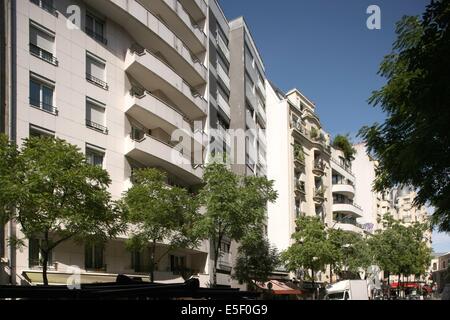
(153, 74)
(153, 153)
(319, 196)
(343, 171)
(319, 169)
(348, 227)
(197, 9)
(348, 208)
(152, 33)
(346, 189)
(179, 21)
(154, 112)
(300, 189)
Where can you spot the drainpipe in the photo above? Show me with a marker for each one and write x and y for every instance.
(13, 121)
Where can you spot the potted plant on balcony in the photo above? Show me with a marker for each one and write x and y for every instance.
(344, 144)
(299, 155)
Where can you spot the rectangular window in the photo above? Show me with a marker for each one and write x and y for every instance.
(41, 94)
(35, 254)
(96, 70)
(42, 43)
(95, 115)
(46, 5)
(94, 155)
(177, 264)
(93, 257)
(136, 261)
(95, 28)
(39, 132)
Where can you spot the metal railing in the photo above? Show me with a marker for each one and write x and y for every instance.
(97, 81)
(43, 54)
(46, 6)
(349, 202)
(342, 166)
(300, 186)
(96, 36)
(96, 126)
(43, 106)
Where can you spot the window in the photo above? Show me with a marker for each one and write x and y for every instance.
(95, 70)
(93, 257)
(95, 115)
(39, 132)
(177, 264)
(35, 254)
(94, 155)
(42, 43)
(46, 5)
(434, 266)
(41, 94)
(225, 247)
(136, 261)
(95, 28)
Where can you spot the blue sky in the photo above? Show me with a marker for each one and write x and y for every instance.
(323, 48)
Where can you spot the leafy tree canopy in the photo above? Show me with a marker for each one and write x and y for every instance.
(413, 144)
(343, 143)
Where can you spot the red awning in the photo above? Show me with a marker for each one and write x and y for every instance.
(405, 285)
(279, 288)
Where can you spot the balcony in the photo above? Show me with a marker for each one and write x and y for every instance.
(96, 81)
(348, 227)
(261, 112)
(44, 107)
(319, 168)
(347, 190)
(150, 32)
(46, 5)
(152, 152)
(250, 94)
(261, 87)
(153, 74)
(300, 189)
(319, 195)
(348, 208)
(223, 47)
(43, 54)
(251, 124)
(151, 111)
(341, 169)
(96, 126)
(179, 22)
(223, 75)
(224, 105)
(197, 9)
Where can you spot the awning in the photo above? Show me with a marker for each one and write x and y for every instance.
(279, 288)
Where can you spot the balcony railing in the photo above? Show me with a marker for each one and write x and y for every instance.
(43, 54)
(96, 126)
(300, 186)
(96, 36)
(97, 81)
(46, 6)
(319, 194)
(223, 47)
(349, 202)
(44, 106)
(342, 166)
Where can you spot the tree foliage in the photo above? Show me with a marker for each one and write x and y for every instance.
(158, 213)
(413, 144)
(256, 259)
(400, 249)
(311, 249)
(61, 196)
(8, 187)
(343, 143)
(234, 205)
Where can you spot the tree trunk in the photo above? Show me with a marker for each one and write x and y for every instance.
(314, 287)
(331, 274)
(152, 262)
(45, 255)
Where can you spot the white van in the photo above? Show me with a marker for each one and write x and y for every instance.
(348, 290)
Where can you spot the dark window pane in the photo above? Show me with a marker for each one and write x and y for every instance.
(35, 93)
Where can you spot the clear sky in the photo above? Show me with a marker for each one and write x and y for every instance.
(324, 48)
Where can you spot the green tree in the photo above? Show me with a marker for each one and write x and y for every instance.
(400, 249)
(413, 144)
(311, 249)
(256, 259)
(8, 187)
(159, 213)
(350, 252)
(343, 143)
(62, 197)
(234, 205)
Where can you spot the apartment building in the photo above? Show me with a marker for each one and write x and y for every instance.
(248, 102)
(123, 81)
(299, 163)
